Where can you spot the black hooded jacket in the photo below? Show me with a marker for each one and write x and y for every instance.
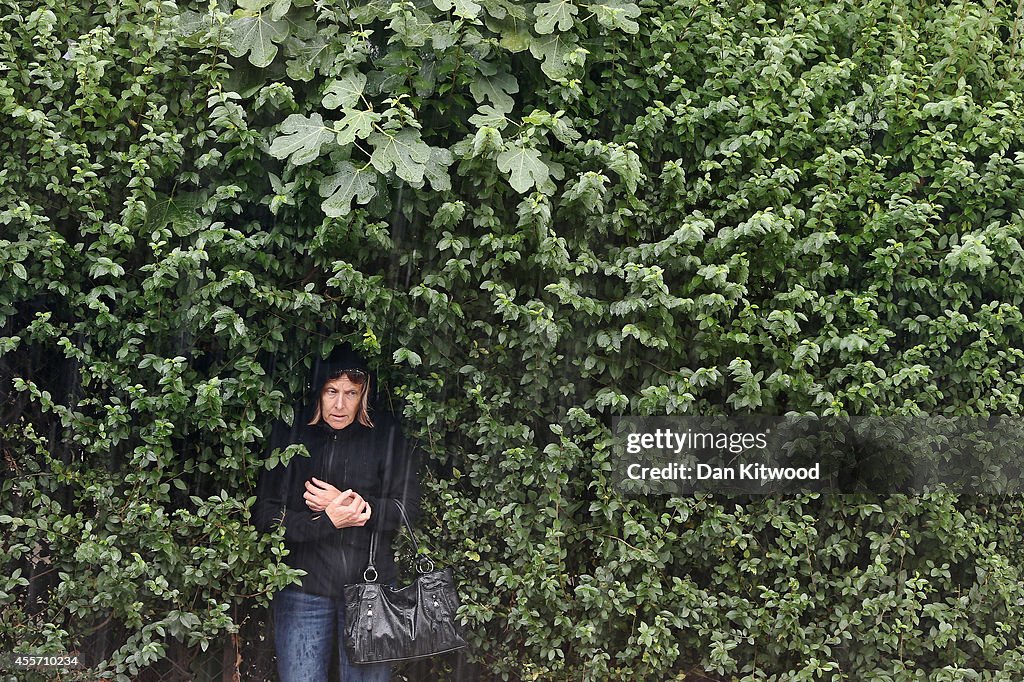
(378, 463)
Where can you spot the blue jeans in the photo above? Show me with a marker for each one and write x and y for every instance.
(307, 627)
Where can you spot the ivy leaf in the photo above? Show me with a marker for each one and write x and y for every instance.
(559, 12)
(467, 9)
(190, 23)
(436, 169)
(497, 87)
(403, 151)
(279, 9)
(524, 166)
(445, 35)
(256, 35)
(553, 50)
(616, 14)
(347, 184)
(489, 116)
(369, 11)
(499, 9)
(301, 138)
(514, 31)
(181, 212)
(357, 124)
(345, 92)
(245, 79)
(308, 57)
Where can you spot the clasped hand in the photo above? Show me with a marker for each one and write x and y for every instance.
(345, 508)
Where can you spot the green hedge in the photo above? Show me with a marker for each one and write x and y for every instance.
(531, 217)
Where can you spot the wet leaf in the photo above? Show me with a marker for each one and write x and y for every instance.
(403, 151)
(498, 88)
(616, 14)
(256, 35)
(301, 138)
(558, 13)
(467, 9)
(356, 124)
(348, 183)
(524, 166)
(345, 91)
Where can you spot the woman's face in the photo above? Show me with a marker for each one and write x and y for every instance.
(339, 402)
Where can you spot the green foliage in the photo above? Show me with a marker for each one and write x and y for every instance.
(532, 216)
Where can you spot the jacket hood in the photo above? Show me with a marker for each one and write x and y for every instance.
(341, 358)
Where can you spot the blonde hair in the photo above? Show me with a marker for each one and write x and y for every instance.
(363, 417)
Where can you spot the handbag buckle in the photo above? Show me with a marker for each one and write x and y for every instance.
(424, 565)
(366, 575)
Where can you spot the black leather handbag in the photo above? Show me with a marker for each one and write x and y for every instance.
(383, 623)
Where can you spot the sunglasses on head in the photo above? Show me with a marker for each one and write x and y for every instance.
(356, 376)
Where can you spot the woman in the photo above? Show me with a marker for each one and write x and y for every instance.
(330, 504)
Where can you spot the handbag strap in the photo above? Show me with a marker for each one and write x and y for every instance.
(286, 491)
(423, 564)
